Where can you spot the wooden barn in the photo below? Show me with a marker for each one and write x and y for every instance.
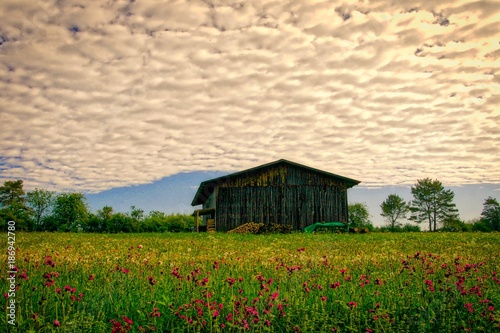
(280, 192)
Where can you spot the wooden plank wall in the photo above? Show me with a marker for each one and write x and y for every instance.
(282, 195)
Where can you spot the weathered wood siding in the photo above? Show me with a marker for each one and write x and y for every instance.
(282, 195)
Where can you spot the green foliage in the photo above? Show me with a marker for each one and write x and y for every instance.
(401, 228)
(394, 208)
(432, 203)
(454, 224)
(359, 217)
(41, 202)
(70, 212)
(490, 215)
(13, 206)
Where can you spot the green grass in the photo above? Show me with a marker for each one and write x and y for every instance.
(415, 282)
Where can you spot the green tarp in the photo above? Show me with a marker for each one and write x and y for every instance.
(332, 225)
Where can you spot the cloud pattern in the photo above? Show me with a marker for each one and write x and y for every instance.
(96, 95)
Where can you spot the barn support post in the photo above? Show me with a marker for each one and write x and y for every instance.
(196, 218)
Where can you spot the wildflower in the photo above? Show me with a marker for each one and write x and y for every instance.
(127, 320)
(23, 275)
(124, 270)
(151, 280)
(216, 265)
(139, 246)
(155, 313)
(57, 323)
(58, 290)
(323, 298)
(352, 304)
(230, 281)
(91, 277)
(274, 295)
(335, 285)
(468, 306)
(49, 262)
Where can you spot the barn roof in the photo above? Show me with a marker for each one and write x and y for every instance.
(209, 185)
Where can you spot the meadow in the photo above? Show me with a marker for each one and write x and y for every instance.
(188, 282)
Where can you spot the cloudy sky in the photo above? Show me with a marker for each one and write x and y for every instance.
(96, 95)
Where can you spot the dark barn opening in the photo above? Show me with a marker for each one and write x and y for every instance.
(281, 192)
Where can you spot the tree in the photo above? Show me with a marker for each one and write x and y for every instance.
(70, 211)
(393, 209)
(41, 202)
(13, 205)
(491, 213)
(359, 217)
(432, 203)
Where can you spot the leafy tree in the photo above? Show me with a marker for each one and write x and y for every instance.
(41, 202)
(393, 209)
(491, 213)
(359, 217)
(13, 205)
(454, 224)
(70, 211)
(432, 203)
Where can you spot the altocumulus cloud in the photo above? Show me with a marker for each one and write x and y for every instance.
(96, 95)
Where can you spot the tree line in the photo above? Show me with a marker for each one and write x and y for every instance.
(432, 205)
(43, 210)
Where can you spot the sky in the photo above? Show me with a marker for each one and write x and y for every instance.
(99, 96)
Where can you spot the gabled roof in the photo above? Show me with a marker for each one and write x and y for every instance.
(209, 185)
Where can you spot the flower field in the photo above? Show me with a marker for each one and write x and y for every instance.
(414, 282)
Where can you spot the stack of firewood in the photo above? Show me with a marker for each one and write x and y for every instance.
(247, 228)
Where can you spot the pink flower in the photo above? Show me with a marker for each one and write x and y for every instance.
(151, 280)
(57, 323)
(127, 320)
(335, 285)
(323, 298)
(352, 304)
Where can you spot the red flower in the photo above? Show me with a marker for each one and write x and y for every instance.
(91, 277)
(151, 281)
(57, 323)
(127, 320)
(155, 313)
(352, 304)
(231, 281)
